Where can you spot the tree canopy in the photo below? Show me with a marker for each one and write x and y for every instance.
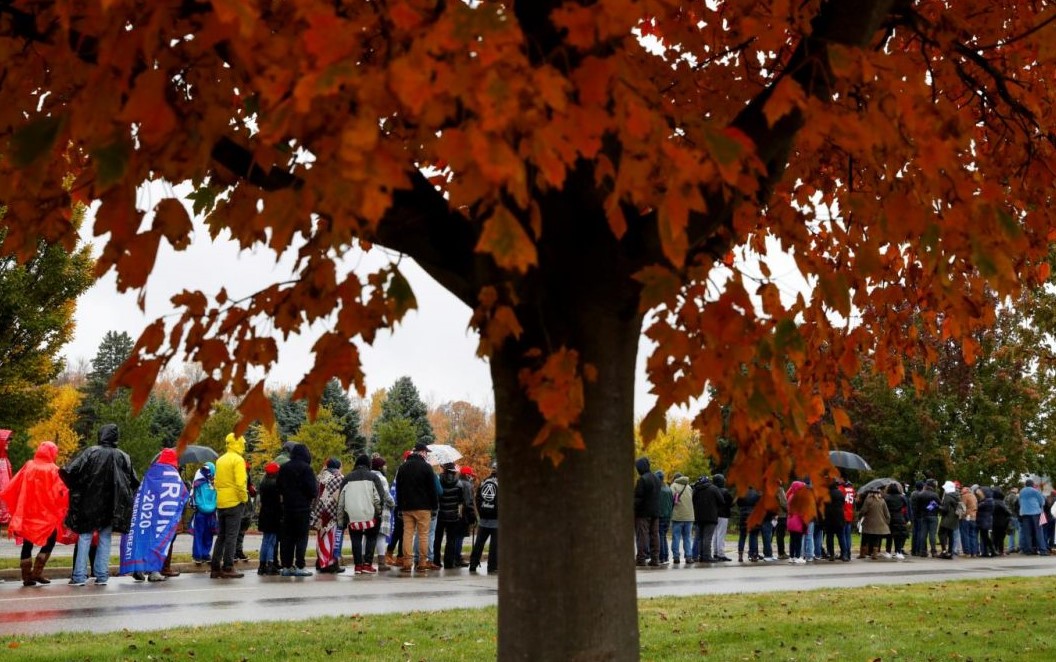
(563, 167)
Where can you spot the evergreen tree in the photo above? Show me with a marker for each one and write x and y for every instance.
(290, 414)
(392, 438)
(112, 352)
(403, 403)
(336, 400)
(324, 438)
(166, 421)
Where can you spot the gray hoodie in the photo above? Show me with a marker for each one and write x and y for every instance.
(683, 494)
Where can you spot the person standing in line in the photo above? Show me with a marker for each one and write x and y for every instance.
(984, 521)
(248, 509)
(449, 520)
(834, 523)
(1002, 519)
(469, 511)
(232, 494)
(876, 523)
(417, 498)
(360, 506)
(324, 515)
(931, 507)
(745, 505)
(667, 505)
(269, 520)
(969, 527)
(1012, 503)
(781, 528)
(897, 508)
(1049, 528)
(682, 517)
(5, 473)
(394, 550)
(1031, 505)
(488, 510)
(37, 501)
(795, 522)
(707, 498)
(298, 489)
(847, 488)
(917, 546)
(377, 467)
(156, 514)
(718, 544)
(102, 484)
(203, 522)
(647, 514)
(951, 521)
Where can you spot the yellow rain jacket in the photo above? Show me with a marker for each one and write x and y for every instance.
(231, 474)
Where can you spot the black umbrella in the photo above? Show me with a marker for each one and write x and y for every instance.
(876, 484)
(194, 455)
(848, 460)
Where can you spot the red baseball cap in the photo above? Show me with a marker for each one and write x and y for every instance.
(467, 471)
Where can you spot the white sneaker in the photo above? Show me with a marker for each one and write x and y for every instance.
(886, 555)
(769, 559)
(801, 561)
(900, 557)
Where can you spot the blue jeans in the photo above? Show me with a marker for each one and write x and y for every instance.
(665, 551)
(918, 545)
(768, 537)
(339, 541)
(969, 537)
(808, 543)
(269, 545)
(956, 546)
(1031, 539)
(1013, 530)
(845, 541)
(101, 567)
(932, 523)
(682, 531)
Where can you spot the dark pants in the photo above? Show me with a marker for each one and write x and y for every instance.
(647, 537)
(999, 534)
(294, 538)
(242, 528)
(919, 536)
(1032, 540)
(665, 549)
(27, 547)
(361, 555)
(483, 534)
(702, 543)
(779, 535)
(454, 532)
(228, 520)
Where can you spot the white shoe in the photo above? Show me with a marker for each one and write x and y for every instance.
(801, 561)
(886, 555)
(769, 559)
(900, 557)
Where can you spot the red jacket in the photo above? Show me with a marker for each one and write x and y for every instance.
(848, 502)
(37, 497)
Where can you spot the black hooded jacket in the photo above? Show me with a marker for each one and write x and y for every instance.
(726, 507)
(646, 491)
(707, 500)
(297, 485)
(102, 485)
(416, 485)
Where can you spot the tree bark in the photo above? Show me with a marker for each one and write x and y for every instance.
(567, 575)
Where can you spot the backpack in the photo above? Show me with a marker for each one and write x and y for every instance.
(205, 498)
(488, 499)
(962, 510)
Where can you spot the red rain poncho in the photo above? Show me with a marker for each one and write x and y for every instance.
(37, 498)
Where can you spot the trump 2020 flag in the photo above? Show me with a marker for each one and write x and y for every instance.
(155, 514)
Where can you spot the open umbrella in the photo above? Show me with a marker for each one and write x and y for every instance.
(194, 455)
(848, 460)
(876, 484)
(442, 454)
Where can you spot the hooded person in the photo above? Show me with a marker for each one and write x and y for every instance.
(324, 516)
(950, 520)
(682, 518)
(102, 484)
(232, 494)
(298, 489)
(284, 453)
(707, 498)
(269, 520)
(1002, 518)
(37, 501)
(156, 513)
(5, 473)
(449, 517)
(488, 511)
(203, 522)
(647, 514)
(377, 467)
(718, 544)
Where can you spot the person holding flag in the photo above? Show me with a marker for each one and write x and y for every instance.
(156, 512)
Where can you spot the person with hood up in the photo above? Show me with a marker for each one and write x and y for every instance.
(898, 508)
(984, 521)
(718, 544)
(269, 520)
(324, 517)
(298, 488)
(647, 514)
(682, 518)
(377, 467)
(232, 494)
(156, 514)
(1002, 519)
(488, 509)
(37, 501)
(203, 523)
(796, 521)
(876, 523)
(745, 505)
(950, 520)
(929, 504)
(360, 505)
(101, 483)
(707, 498)
(284, 453)
(1012, 503)
(667, 506)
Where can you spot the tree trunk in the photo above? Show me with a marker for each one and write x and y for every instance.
(566, 575)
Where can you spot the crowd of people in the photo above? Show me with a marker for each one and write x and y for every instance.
(688, 520)
(403, 526)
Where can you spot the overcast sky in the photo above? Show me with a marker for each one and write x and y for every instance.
(433, 346)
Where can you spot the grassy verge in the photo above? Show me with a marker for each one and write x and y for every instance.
(981, 620)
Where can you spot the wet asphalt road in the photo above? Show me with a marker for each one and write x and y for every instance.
(194, 599)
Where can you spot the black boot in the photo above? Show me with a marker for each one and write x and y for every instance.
(27, 572)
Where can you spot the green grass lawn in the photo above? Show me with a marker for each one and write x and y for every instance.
(982, 620)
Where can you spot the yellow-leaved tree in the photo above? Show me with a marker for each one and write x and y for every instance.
(58, 426)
